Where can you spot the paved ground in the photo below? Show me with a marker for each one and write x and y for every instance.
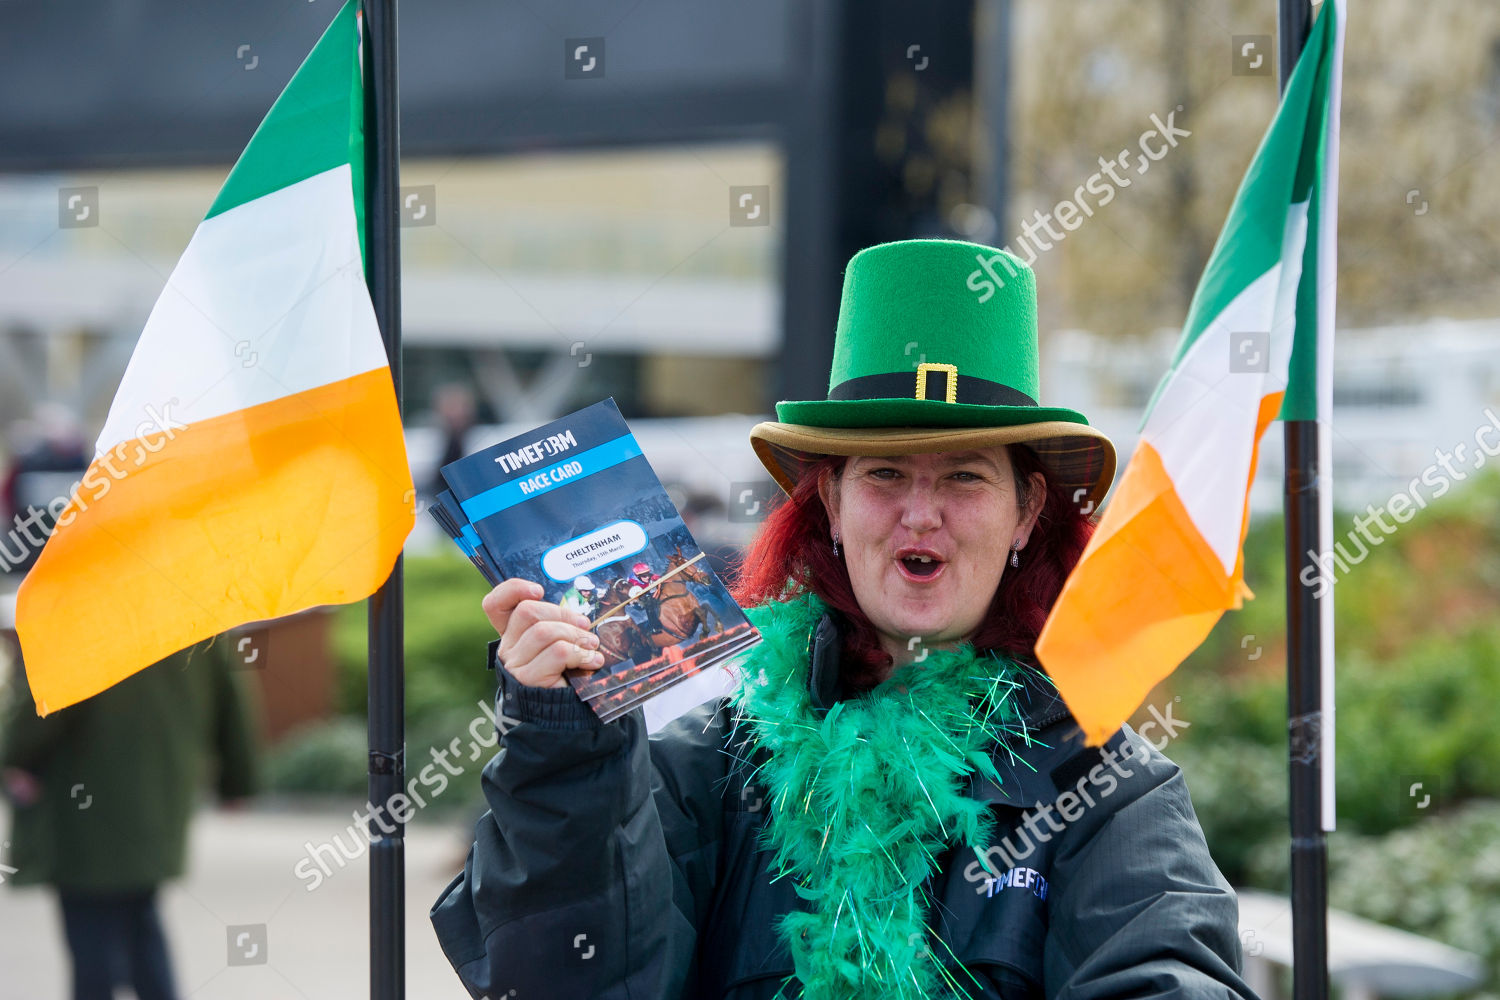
(241, 873)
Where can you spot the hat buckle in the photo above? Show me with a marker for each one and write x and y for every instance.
(951, 379)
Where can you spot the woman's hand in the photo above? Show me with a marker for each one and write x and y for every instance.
(538, 639)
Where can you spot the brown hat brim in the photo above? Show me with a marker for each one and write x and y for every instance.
(1080, 458)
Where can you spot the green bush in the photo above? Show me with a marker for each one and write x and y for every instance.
(1239, 793)
(1439, 878)
(437, 733)
(1418, 651)
(446, 679)
(1429, 717)
(327, 756)
(446, 635)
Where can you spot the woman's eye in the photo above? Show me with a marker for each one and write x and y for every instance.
(967, 477)
(884, 472)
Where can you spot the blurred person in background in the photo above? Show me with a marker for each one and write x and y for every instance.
(50, 456)
(453, 404)
(102, 793)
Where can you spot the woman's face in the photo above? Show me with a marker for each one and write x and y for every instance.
(926, 539)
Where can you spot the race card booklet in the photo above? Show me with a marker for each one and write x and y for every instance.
(575, 506)
(451, 518)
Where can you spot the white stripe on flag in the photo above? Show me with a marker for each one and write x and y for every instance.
(268, 300)
(1198, 423)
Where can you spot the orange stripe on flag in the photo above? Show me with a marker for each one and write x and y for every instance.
(1144, 595)
(302, 501)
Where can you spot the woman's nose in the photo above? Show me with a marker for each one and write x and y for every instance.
(921, 510)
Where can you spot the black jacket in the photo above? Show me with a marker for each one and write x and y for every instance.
(612, 865)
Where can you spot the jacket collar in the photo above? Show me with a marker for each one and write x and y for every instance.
(1040, 704)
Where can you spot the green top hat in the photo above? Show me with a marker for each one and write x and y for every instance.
(935, 350)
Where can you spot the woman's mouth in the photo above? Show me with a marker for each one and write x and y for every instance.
(920, 564)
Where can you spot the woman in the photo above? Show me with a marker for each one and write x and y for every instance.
(893, 802)
(103, 794)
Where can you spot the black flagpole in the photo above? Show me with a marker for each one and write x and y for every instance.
(387, 696)
(1303, 647)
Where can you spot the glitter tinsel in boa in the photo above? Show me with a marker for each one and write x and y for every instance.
(865, 799)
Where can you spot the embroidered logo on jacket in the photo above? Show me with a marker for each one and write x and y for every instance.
(1017, 878)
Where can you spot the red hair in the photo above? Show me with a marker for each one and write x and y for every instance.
(792, 554)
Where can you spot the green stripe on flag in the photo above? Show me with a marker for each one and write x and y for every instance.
(1250, 243)
(1301, 401)
(315, 125)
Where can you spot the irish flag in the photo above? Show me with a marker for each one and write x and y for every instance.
(1166, 559)
(252, 464)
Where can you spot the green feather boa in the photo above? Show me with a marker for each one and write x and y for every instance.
(864, 800)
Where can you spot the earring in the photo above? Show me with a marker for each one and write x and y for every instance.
(1015, 557)
(836, 544)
